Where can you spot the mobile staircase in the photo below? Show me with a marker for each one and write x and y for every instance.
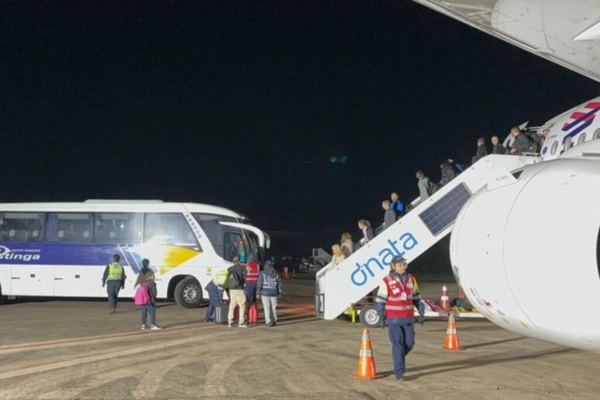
(426, 224)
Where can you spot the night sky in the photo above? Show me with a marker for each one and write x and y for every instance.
(243, 104)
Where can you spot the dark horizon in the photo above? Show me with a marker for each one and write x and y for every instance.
(302, 117)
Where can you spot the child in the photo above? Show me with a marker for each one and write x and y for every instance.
(150, 308)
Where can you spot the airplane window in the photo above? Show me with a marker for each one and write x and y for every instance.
(554, 147)
(597, 134)
(581, 138)
(568, 143)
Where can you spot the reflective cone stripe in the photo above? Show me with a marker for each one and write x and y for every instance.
(366, 362)
(445, 300)
(451, 342)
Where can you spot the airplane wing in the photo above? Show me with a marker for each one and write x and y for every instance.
(566, 32)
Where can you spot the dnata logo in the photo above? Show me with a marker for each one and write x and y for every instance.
(363, 272)
(8, 254)
(581, 119)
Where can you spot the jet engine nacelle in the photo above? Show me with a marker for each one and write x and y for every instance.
(526, 253)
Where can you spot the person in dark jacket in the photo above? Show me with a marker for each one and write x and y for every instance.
(498, 147)
(481, 150)
(448, 172)
(150, 308)
(269, 289)
(141, 278)
(521, 144)
(236, 280)
(114, 278)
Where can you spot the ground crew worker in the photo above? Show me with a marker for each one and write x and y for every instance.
(114, 277)
(397, 296)
(252, 270)
(215, 293)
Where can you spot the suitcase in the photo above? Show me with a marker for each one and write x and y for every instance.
(252, 314)
(221, 314)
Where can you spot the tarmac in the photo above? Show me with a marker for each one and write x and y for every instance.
(75, 349)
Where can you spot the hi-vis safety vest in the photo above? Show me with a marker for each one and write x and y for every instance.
(115, 272)
(252, 274)
(399, 303)
(220, 279)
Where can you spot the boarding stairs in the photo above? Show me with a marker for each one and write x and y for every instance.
(422, 227)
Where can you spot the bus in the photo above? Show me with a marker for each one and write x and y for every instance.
(61, 249)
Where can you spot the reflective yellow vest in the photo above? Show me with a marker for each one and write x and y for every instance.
(115, 272)
(220, 278)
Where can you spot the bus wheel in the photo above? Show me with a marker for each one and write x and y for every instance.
(369, 317)
(188, 293)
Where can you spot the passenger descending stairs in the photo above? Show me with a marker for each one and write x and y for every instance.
(411, 236)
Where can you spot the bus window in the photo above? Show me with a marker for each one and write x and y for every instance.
(118, 228)
(69, 227)
(234, 245)
(21, 227)
(170, 229)
(214, 231)
(581, 138)
(554, 147)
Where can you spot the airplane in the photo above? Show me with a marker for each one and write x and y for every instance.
(528, 253)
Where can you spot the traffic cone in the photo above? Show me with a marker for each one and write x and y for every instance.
(286, 273)
(445, 300)
(451, 335)
(366, 362)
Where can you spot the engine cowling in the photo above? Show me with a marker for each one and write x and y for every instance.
(526, 253)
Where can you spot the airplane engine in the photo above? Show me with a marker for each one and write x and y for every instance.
(527, 253)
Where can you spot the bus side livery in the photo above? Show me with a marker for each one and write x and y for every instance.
(61, 249)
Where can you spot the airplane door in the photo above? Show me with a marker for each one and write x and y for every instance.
(32, 280)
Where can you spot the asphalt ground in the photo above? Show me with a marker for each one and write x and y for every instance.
(75, 349)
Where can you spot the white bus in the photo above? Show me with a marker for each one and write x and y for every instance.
(61, 249)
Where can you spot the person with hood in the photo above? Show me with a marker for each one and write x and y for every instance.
(269, 289)
(141, 278)
(448, 172)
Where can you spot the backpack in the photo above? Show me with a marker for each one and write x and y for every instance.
(432, 188)
(142, 295)
(234, 280)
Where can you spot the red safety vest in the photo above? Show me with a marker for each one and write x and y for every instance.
(252, 274)
(399, 303)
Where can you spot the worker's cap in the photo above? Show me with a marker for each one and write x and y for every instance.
(398, 260)
(268, 262)
(243, 259)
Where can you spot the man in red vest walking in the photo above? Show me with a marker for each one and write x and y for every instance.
(397, 296)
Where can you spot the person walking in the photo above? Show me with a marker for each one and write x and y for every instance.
(397, 296)
(114, 280)
(150, 307)
(269, 289)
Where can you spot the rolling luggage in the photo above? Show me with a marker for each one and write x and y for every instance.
(221, 314)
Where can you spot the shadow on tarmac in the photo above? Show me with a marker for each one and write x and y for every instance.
(475, 362)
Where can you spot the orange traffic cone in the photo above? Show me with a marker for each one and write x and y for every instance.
(286, 273)
(366, 362)
(451, 335)
(445, 300)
